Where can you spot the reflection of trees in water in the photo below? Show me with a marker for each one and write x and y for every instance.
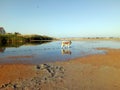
(18, 44)
(11, 44)
(38, 42)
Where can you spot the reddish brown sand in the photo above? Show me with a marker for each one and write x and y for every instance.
(11, 72)
(95, 72)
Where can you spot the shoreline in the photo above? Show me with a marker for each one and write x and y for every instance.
(93, 72)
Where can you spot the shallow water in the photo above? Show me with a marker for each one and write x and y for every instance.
(49, 52)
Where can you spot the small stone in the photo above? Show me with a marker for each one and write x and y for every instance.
(18, 85)
(42, 66)
(37, 67)
(26, 88)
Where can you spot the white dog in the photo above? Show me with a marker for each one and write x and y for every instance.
(65, 44)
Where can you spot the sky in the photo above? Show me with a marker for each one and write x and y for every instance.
(62, 18)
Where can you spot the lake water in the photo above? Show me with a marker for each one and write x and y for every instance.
(50, 52)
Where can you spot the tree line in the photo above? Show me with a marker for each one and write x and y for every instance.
(12, 38)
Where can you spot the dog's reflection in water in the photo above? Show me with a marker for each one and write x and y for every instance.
(66, 51)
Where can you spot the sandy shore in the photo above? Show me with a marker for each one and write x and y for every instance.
(95, 72)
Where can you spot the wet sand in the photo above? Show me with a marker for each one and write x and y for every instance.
(94, 72)
(12, 72)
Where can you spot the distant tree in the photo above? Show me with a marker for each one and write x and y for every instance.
(17, 33)
(2, 30)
